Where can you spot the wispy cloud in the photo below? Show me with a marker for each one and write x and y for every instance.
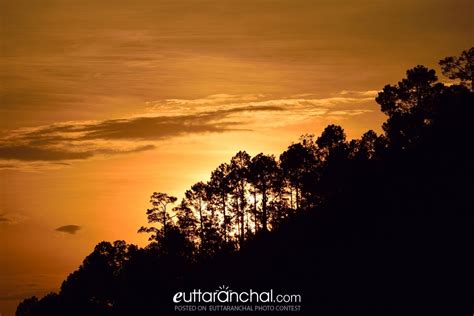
(368, 93)
(221, 102)
(10, 218)
(56, 145)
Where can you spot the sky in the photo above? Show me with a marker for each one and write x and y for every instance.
(104, 102)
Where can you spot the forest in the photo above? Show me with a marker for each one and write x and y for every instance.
(381, 225)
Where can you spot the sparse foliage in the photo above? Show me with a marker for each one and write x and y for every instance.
(460, 68)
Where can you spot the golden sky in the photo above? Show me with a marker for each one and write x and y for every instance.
(104, 102)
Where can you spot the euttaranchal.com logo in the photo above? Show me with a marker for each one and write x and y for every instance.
(225, 299)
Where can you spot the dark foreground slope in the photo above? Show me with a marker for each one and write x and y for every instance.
(406, 251)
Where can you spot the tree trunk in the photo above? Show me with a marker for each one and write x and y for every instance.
(164, 223)
(291, 197)
(225, 220)
(255, 209)
(201, 235)
(242, 228)
(297, 198)
(264, 208)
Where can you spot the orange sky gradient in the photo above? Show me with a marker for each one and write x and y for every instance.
(103, 103)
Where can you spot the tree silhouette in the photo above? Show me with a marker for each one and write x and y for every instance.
(158, 214)
(238, 177)
(195, 198)
(461, 68)
(218, 190)
(409, 106)
(263, 170)
(187, 222)
(366, 147)
(297, 162)
(331, 141)
(28, 307)
(94, 286)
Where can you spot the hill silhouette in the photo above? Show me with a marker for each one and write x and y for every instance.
(381, 225)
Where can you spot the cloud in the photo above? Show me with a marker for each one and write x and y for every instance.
(242, 103)
(82, 140)
(11, 218)
(349, 112)
(57, 145)
(368, 93)
(140, 51)
(215, 99)
(68, 229)
(28, 153)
